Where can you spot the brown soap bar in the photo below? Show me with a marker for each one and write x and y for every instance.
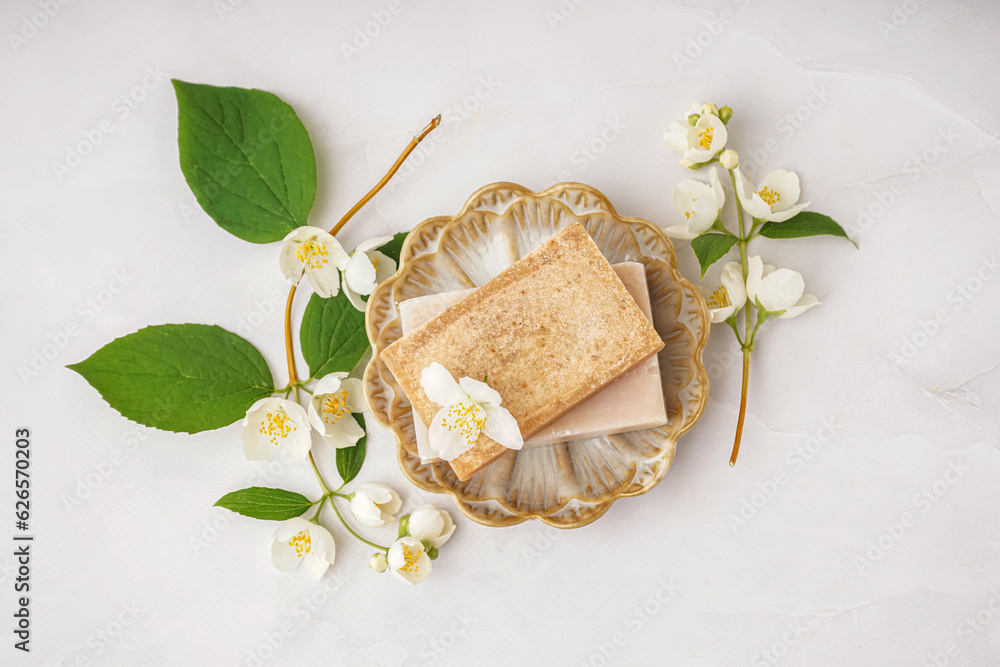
(547, 333)
(633, 401)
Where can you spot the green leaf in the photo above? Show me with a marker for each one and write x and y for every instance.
(806, 223)
(394, 247)
(260, 502)
(350, 459)
(248, 159)
(332, 335)
(179, 377)
(710, 248)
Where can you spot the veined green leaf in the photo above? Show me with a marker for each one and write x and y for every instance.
(179, 377)
(710, 248)
(806, 223)
(259, 502)
(350, 459)
(248, 159)
(332, 335)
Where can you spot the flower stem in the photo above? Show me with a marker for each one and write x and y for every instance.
(351, 530)
(753, 335)
(319, 476)
(315, 519)
(743, 407)
(293, 380)
(385, 179)
(746, 344)
(732, 325)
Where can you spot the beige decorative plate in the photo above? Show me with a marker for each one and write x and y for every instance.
(564, 484)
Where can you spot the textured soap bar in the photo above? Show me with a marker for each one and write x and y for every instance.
(548, 332)
(633, 401)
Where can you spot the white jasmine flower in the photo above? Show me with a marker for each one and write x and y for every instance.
(700, 143)
(378, 562)
(408, 560)
(301, 541)
(774, 199)
(429, 523)
(729, 159)
(335, 398)
(375, 504)
(313, 252)
(777, 290)
(731, 295)
(272, 423)
(469, 407)
(366, 268)
(700, 203)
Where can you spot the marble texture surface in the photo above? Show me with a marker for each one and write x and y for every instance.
(860, 524)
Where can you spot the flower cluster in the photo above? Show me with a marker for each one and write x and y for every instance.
(299, 541)
(702, 137)
(279, 425)
(775, 212)
(274, 424)
(316, 254)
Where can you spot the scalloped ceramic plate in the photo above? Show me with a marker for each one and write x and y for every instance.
(564, 484)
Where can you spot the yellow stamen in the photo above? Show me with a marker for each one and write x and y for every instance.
(769, 196)
(312, 254)
(277, 426)
(719, 298)
(302, 543)
(469, 418)
(410, 556)
(705, 138)
(335, 407)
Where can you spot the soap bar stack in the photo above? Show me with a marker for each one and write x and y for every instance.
(633, 401)
(549, 332)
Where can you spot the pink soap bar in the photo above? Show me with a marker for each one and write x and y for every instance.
(633, 401)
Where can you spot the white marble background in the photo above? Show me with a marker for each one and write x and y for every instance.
(876, 409)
